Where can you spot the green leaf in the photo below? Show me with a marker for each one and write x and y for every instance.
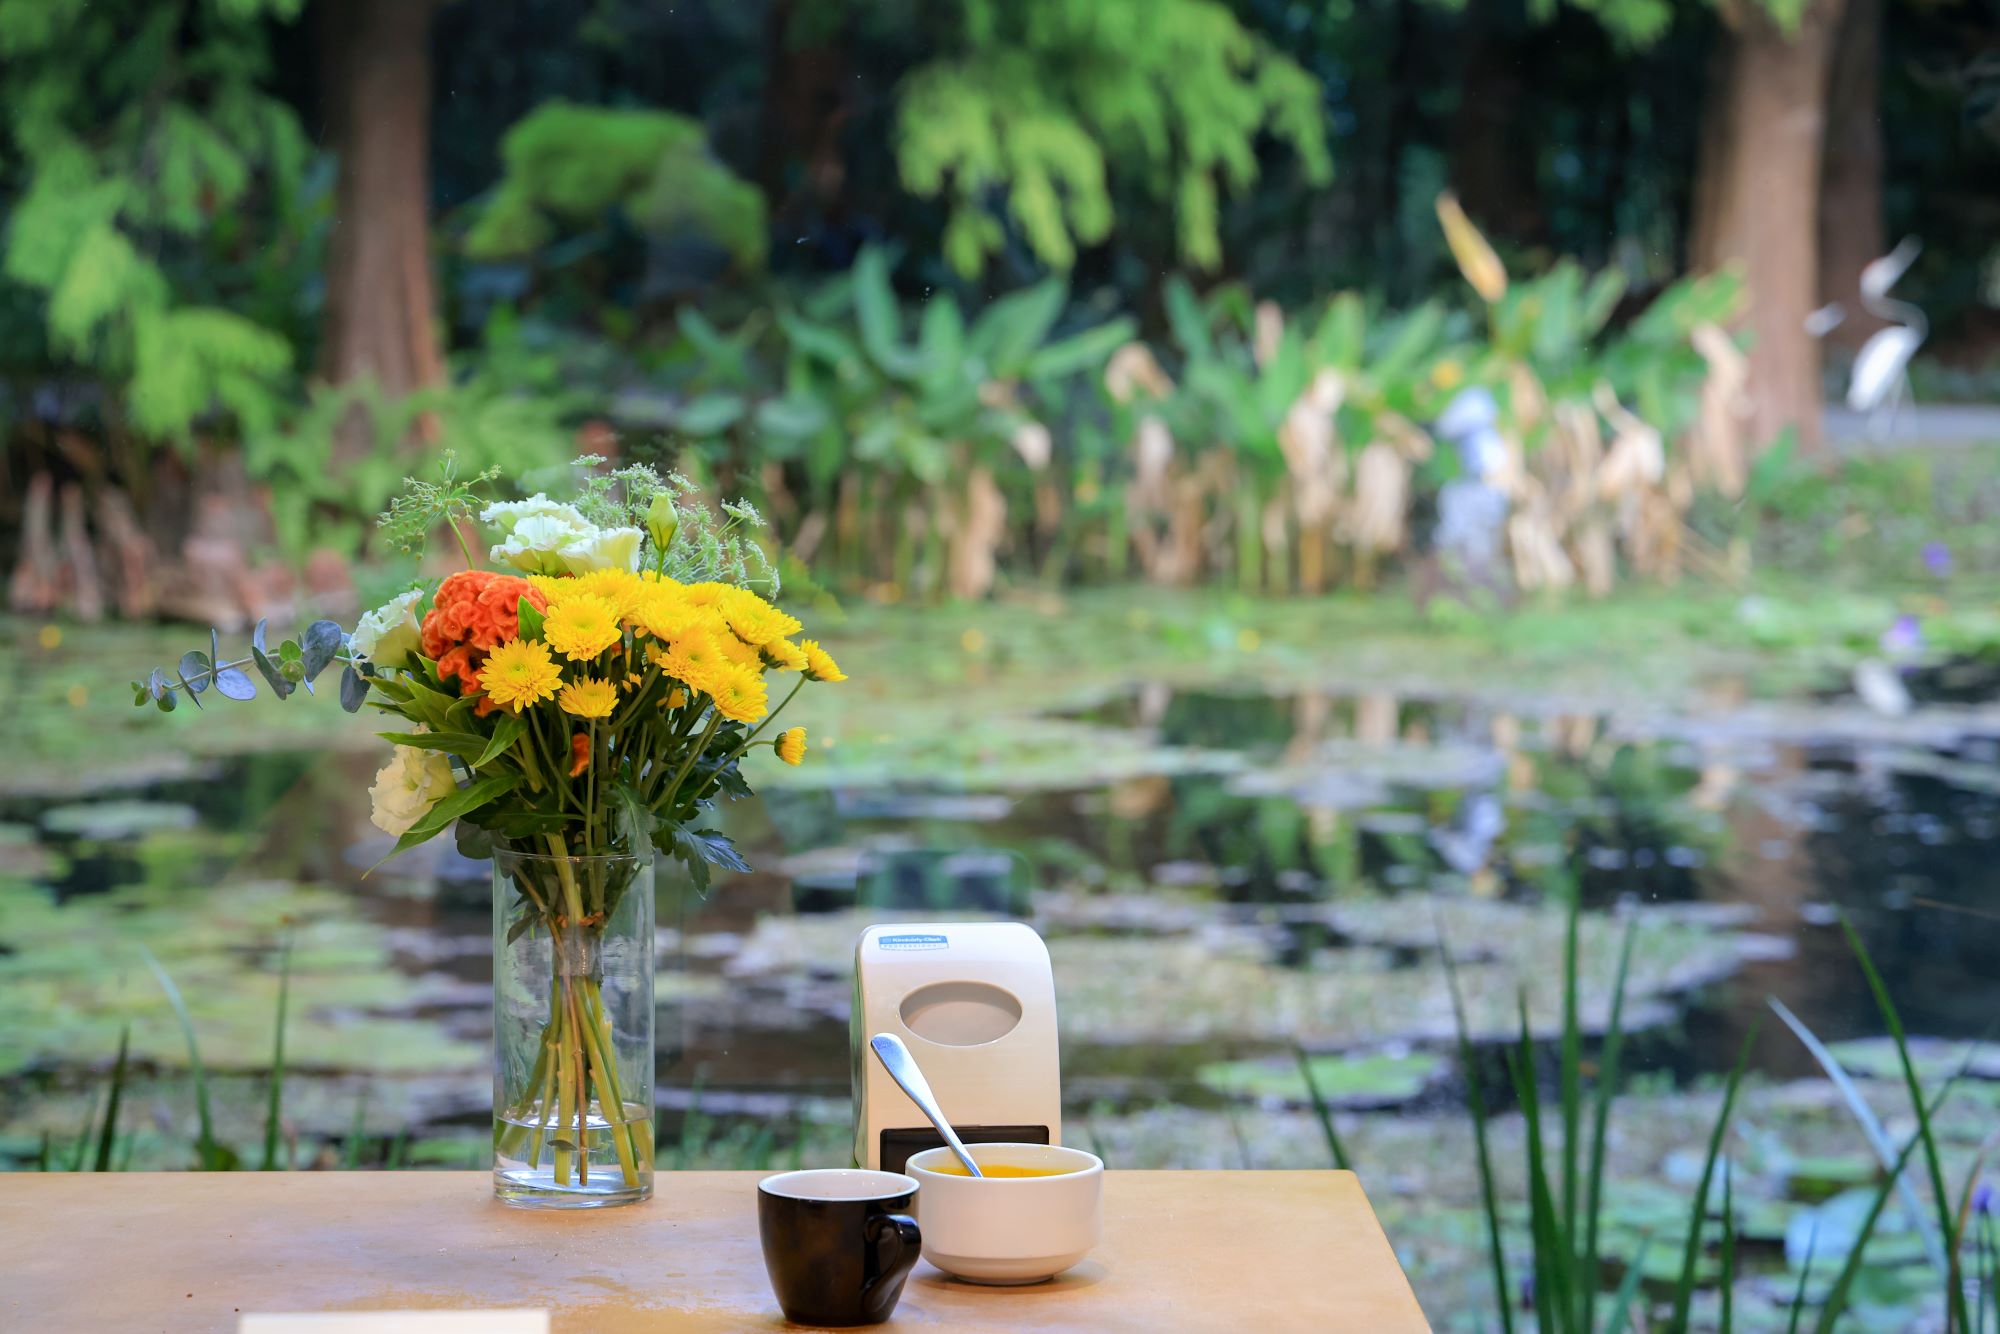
(468, 746)
(196, 669)
(353, 690)
(531, 621)
(233, 684)
(462, 802)
(505, 734)
(710, 414)
(323, 640)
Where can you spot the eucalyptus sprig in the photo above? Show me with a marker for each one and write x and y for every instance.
(297, 662)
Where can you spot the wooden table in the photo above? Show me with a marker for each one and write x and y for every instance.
(172, 1251)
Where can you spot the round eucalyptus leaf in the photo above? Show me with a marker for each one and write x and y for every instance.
(269, 671)
(233, 684)
(195, 674)
(353, 690)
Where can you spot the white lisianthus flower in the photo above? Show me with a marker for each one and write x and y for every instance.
(605, 549)
(408, 786)
(507, 515)
(389, 634)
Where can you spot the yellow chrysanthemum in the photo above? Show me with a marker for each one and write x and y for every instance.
(589, 698)
(738, 693)
(618, 587)
(705, 594)
(676, 698)
(519, 673)
(782, 655)
(581, 626)
(820, 665)
(791, 745)
(554, 587)
(740, 653)
(664, 613)
(754, 620)
(694, 659)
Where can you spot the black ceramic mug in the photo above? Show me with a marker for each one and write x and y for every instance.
(838, 1243)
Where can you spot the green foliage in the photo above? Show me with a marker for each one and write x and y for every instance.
(569, 166)
(133, 130)
(1047, 102)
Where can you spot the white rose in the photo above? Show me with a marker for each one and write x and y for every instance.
(389, 634)
(604, 549)
(408, 786)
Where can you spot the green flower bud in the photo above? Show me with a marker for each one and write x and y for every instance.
(661, 521)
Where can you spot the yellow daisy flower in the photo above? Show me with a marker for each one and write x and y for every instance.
(707, 594)
(820, 665)
(519, 673)
(554, 587)
(694, 659)
(754, 620)
(738, 693)
(740, 653)
(782, 655)
(589, 698)
(581, 626)
(618, 587)
(791, 745)
(663, 613)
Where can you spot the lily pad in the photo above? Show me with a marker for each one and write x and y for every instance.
(1379, 1079)
(115, 821)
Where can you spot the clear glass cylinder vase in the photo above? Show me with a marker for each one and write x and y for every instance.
(573, 951)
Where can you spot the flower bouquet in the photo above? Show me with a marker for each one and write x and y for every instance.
(570, 711)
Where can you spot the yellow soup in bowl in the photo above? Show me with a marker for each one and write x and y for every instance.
(954, 1168)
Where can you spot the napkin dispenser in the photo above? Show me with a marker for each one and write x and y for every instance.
(975, 1002)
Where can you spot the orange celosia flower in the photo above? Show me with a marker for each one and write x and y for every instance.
(479, 609)
(579, 750)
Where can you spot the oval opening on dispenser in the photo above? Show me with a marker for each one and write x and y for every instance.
(961, 1014)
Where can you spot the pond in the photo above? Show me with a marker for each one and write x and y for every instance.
(1276, 875)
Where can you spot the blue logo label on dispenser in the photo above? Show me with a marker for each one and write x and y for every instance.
(914, 942)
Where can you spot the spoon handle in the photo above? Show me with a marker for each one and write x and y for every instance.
(902, 1068)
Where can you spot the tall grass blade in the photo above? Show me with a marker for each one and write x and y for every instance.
(1628, 1289)
(212, 1155)
(273, 1118)
(1698, 1220)
(1958, 1316)
(109, 1136)
(1321, 1109)
(1475, 1101)
(1836, 1298)
(80, 1154)
(1871, 1126)
(1608, 1071)
(1572, 1104)
(1805, 1277)
(350, 1154)
(1553, 1292)
(1728, 1245)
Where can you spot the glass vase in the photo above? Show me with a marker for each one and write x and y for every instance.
(572, 1029)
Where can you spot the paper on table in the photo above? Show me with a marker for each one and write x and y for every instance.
(396, 1322)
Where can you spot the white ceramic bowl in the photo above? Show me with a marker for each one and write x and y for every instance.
(1009, 1230)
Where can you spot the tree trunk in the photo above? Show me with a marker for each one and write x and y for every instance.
(379, 309)
(1850, 198)
(1757, 200)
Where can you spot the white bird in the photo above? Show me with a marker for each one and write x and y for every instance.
(1880, 376)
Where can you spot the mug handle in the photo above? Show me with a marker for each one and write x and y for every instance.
(897, 1242)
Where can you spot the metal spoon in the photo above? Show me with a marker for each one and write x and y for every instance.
(902, 1068)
